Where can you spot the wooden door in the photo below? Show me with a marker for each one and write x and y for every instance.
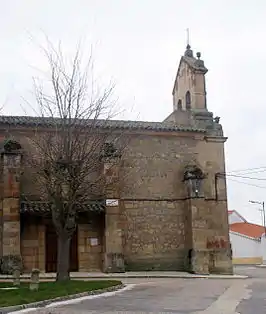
(74, 266)
(51, 251)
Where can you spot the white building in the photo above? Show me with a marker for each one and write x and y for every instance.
(247, 240)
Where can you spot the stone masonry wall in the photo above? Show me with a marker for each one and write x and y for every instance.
(209, 223)
(90, 254)
(1, 206)
(155, 209)
(30, 247)
(212, 158)
(154, 236)
(153, 166)
(188, 80)
(33, 247)
(153, 194)
(153, 197)
(1, 228)
(11, 206)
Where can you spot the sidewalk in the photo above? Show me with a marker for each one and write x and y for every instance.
(261, 266)
(150, 274)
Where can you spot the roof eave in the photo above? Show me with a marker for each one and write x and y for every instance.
(245, 236)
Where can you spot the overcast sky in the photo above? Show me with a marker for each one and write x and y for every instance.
(137, 44)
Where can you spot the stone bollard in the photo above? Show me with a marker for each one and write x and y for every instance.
(34, 280)
(16, 277)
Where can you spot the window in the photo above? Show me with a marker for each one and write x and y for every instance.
(179, 104)
(188, 100)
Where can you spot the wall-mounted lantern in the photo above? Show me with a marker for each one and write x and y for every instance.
(193, 177)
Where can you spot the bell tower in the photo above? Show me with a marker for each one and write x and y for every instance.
(189, 92)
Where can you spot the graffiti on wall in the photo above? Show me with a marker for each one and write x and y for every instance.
(217, 243)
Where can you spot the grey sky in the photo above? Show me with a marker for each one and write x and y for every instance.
(137, 44)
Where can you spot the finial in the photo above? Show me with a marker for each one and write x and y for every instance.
(188, 45)
(216, 119)
(198, 54)
(188, 52)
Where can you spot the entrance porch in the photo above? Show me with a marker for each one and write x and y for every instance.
(39, 243)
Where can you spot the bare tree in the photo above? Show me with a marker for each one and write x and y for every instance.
(72, 137)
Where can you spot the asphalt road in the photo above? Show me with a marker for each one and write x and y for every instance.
(183, 296)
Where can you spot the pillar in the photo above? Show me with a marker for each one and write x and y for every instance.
(11, 203)
(11, 161)
(207, 243)
(196, 235)
(114, 256)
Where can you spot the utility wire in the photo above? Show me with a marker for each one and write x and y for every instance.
(243, 177)
(263, 168)
(251, 172)
(257, 186)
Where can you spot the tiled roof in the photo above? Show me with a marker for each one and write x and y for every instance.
(28, 121)
(247, 229)
(44, 207)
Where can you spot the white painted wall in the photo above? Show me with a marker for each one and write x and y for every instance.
(263, 248)
(234, 218)
(244, 247)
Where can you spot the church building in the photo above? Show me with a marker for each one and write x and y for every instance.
(170, 213)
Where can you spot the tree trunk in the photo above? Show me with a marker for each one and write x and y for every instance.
(63, 257)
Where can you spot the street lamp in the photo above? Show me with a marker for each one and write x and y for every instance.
(263, 212)
(193, 176)
(264, 219)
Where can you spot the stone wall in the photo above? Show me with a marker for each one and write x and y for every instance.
(189, 80)
(30, 247)
(115, 226)
(153, 199)
(158, 232)
(1, 228)
(153, 166)
(33, 246)
(11, 205)
(154, 236)
(207, 236)
(90, 253)
(90, 256)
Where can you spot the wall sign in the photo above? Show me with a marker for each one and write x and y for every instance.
(94, 241)
(110, 202)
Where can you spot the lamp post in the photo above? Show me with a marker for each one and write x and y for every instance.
(263, 212)
(264, 222)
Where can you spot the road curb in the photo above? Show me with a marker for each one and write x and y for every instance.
(173, 277)
(10, 309)
(260, 266)
(128, 276)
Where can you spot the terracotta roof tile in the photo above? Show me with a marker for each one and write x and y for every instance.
(248, 229)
